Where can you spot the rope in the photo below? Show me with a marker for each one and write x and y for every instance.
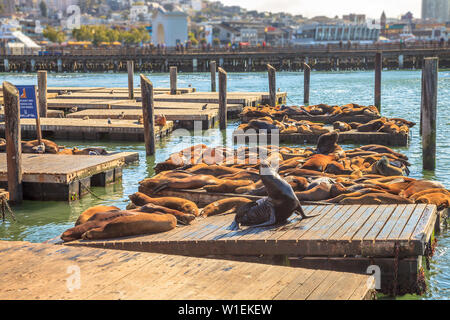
(92, 192)
(6, 208)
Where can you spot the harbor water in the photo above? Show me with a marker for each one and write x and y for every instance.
(401, 95)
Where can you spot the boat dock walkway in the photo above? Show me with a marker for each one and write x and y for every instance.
(92, 129)
(43, 271)
(66, 177)
(364, 231)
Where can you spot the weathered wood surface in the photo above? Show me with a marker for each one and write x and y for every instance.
(148, 114)
(336, 231)
(115, 89)
(135, 114)
(306, 83)
(271, 72)
(52, 168)
(378, 70)
(42, 88)
(42, 271)
(222, 99)
(352, 136)
(11, 128)
(67, 128)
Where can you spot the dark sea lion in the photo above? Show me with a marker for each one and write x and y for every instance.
(138, 224)
(84, 217)
(274, 209)
(327, 142)
(152, 185)
(183, 205)
(262, 125)
(224, 205)
(376, 198)
(384, 168)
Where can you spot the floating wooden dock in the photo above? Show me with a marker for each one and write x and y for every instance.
(116, 89)
(352, 136)
(66, 177)
(65, 128)
(242, 98)
(40, 272)
(359, 231)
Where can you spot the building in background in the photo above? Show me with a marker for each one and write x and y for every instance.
(170, 26)
(438, 10)
(13, 41)
(9, 7)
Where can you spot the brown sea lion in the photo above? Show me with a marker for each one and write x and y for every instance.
(182, 217)
(420, 185)
(212, 170)
(96, 221)
(327, 142)
(138, 224)
(224, 205)
(376, 198)
(152, 185)
(84, 217)
(424, 192)
(298, 184)
(318, 193)
(251, 187)
(50, 146)
(90, 151)
(372, 126)
(183, 205)
(227, 186)
(160, 120)
(341, 126)
(439, 199)
(318, 162)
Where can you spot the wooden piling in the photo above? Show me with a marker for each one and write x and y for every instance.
(130, 68)
(13, 142)
(173, 80)
(42, 89)
(38, 119)
(212, 67)
(148, 115)
(306, 83)
(378, 69)
(428, 107)
(272, 85)
(222, 99)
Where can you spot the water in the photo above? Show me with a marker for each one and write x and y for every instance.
(39, 221)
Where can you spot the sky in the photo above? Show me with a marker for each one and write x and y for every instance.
(331, 8)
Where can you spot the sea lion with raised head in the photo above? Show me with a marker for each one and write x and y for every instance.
(276, 208)
(327, 142)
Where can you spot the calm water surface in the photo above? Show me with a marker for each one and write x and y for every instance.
(39, 221)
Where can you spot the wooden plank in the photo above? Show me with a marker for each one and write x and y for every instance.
(389, 224)
(401, 222)
(339, 220)
(314, 281)
(413, 221)
(39, 271)
(380, 223)
(425, 223)
(342, 231)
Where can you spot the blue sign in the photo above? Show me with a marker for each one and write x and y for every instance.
(28, 105)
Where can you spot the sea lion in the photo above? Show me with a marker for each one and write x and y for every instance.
(50, 146)
(274, 209)
(318, 162)
(439, 199)
(183, 205)
(376, 198)
(224, 205)
(152, 185)
(84, 217)
(227, 186)
(372, 126)
(318, 193)
(425, 192)
(385, 168)
(96, 221)
(341, 126)
(90, 151)
(420, 185)
(160, 120)
(183, 218)
(138, 224)
(327, 142)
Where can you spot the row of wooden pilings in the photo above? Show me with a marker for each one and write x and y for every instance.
(12, 112)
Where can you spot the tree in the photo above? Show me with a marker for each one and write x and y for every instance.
(43, 8)
(54, 35)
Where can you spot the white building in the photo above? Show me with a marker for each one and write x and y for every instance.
(15, 42)
(137, 11)
(169, 27)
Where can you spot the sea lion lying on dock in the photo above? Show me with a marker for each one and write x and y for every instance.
(183, 205)
(138, 224)
(376, 198)
(87, 214)
(97, 220)
(50, 146)
(183, 218)
(229, 205)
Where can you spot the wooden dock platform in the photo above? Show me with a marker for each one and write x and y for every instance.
(242, 98)
(360, 231)
(96, 129)
(40, 271)
(323, 118)
(116, 89)
(352, 136)
(65, 177)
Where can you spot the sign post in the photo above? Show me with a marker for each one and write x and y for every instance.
(29, 108)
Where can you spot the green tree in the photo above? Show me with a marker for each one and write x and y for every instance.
(54, 35)
(43, 8)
